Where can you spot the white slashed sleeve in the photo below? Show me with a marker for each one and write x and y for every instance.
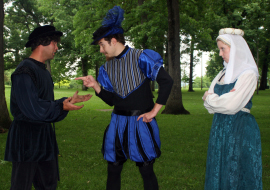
(232, 102)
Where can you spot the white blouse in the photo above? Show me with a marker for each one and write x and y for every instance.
(231, 102)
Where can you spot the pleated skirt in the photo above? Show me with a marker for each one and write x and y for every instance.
(126, 138)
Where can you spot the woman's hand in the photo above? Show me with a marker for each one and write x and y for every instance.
(205, 95)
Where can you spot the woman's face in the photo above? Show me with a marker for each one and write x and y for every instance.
(224, 51)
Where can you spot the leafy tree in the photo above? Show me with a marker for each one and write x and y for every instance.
(5, 120)
(7, 76)
(65, 74)
(21, 18)
(206, 82)
(196, 31)
(214, 65)
(62, 12)
(256, 26)
(74, 84)
(253, 18)
(185, 77)
(148, 31)
(87, 19)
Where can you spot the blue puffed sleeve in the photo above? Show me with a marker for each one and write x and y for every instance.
(150, 63)
(104, 80)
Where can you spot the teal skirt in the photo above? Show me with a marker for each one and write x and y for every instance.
(234, 153)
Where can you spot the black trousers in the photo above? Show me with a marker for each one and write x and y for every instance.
(146, 169)
(43, 175)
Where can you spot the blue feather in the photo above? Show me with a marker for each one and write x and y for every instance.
(114, 17)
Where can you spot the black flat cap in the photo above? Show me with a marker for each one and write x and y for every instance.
(42, 31)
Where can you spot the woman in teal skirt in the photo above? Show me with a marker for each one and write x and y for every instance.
(234, 149)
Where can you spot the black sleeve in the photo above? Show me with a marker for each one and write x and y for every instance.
(33, 107)
(106, 96)
(165, 85)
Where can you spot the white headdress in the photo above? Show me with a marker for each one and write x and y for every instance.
(241, 58)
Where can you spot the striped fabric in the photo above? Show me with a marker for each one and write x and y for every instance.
(126, 138)
(125, 73)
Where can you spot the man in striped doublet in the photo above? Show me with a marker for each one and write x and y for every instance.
(133, 131)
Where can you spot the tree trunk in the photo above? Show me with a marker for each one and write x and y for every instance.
(84, 71)
(5, 120)
(190, 89)
(174, 104)
(263, 82)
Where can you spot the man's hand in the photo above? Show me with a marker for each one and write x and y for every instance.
(69, 106)
(148, 117)
(89, 81)
(80, 98)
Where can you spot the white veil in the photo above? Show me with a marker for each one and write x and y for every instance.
(240, 60)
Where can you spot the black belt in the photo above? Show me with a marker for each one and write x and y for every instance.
(131, 112)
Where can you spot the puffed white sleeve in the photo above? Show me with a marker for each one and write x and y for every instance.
(232, 102)
(211, 90)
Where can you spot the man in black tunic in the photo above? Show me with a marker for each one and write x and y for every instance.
(31, 144)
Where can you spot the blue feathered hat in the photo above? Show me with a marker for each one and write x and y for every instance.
(111, 24)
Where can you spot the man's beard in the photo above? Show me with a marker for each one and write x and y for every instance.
(109, 58)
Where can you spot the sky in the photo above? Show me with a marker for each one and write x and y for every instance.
(199, 67)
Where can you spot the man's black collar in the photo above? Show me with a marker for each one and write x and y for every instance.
(122, 53)
(42, 65)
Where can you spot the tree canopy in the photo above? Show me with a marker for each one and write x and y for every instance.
(146, 25)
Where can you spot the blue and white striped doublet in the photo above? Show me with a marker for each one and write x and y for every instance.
(124, 73)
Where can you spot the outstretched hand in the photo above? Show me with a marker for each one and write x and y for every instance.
(79, 98)
(89, 81)
(68, 106)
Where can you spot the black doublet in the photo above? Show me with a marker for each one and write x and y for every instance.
(31, 137)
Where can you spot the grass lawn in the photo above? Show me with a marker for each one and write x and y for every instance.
(184, 141)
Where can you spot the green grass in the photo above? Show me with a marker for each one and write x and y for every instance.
(184, 146)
